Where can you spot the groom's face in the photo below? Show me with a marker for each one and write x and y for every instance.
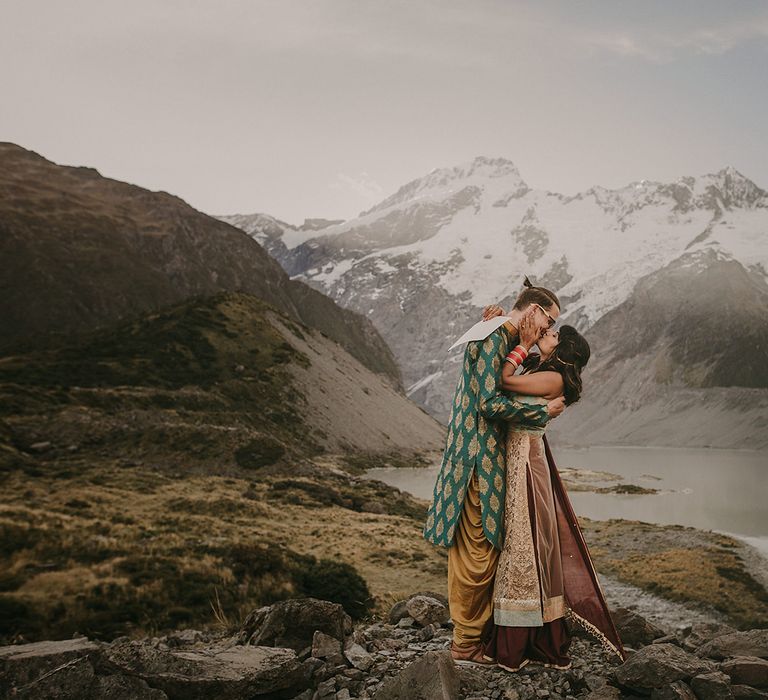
(545, 318)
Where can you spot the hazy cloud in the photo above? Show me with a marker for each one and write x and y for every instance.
(289, 106)
(363, 185)
(663, 46)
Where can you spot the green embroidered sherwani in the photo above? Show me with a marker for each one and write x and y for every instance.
(476, 439)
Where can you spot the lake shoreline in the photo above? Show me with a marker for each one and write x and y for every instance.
(667, 571)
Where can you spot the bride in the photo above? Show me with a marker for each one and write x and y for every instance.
(545, 573)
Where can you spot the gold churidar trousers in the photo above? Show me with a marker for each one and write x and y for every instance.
(471, 569)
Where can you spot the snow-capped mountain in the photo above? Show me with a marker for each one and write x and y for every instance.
(422, 263)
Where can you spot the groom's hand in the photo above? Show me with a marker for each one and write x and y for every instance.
(492, 311)
(556, 406)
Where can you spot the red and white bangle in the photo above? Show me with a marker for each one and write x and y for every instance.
(516, 356)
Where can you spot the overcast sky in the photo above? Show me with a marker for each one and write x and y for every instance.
(321, 108)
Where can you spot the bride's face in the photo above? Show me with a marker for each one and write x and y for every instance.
(548, 342)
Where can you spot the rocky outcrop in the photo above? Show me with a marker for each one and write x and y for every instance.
(306, 649)
(658, 665)
(293, 623)
(745, 643)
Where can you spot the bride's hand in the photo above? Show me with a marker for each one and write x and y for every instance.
(556, 406)
(529, 332)
(491, 311)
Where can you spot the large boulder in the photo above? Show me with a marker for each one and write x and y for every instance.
(746, 670)
(358, 656)
(432, 677)
(747, 643)
(427, 611)
(714, 685)
(293, 623)
(27, 662)
(634, 630)
(658, 665)
(324, 646)
(228, 672)
(399, 610)
(66, 669)
(702, 632)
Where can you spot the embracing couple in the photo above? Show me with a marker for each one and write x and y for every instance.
(518, 565)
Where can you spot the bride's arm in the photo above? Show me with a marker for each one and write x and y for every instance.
(545, 384)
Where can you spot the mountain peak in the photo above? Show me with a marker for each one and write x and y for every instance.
(447, 180)
(731, 188)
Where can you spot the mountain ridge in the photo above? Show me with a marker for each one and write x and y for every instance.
(423, 262)
(83, 251)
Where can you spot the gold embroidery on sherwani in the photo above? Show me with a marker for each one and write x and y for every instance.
(516, 596)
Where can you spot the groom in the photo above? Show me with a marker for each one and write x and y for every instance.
(466, 514)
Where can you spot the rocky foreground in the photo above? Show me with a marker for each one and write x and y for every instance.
(308, 649)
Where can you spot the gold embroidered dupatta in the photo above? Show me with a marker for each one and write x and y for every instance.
(572, 587)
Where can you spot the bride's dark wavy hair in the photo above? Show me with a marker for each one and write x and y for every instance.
(568, 359)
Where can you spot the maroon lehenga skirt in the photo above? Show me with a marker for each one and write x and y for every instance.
(545, 574)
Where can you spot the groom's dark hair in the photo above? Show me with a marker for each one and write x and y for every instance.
(535, 295)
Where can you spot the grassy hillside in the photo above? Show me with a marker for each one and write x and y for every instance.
(198, 462)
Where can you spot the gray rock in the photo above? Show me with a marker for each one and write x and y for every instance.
(293, 623)
(427, 611)
(431, 594)
(358, 657)
(406, 622)
(326, 689)
(746, 670)
(29, 665)
(224, 672)
(634, 630)
(432, 677)
(747, 692)
(712, 686)
(325, 646)
(747, 643)
(427, 633)
(397, 612)
(657, 665)
(702, 632)
(674, 691)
